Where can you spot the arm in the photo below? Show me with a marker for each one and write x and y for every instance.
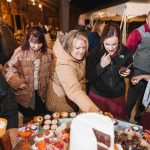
(68, 78)
(12, 71)
(93, 67)
(133, 40)
(136, 79)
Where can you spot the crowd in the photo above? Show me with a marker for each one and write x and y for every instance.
(83, 71)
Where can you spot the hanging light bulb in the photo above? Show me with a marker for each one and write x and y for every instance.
(40, 5)
(33, 2)
(9, 0)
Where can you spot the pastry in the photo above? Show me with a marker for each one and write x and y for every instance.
(64, 114)
(46, 127)
(56, 115)
(54, 121)
(53, 127)
(38, 119)
(46, 117)
(47, 122)
(39, 137)
(73, 114)
(48, 134)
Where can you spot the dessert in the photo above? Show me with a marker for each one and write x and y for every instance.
(39, 137)
(47, 117)
(73, 114)
(48, 134)
(41, 145)
(46, 127)
(53, 127)
(38, 119)
(54, 121)
(56, 115)
(47, 122)
(64, 114)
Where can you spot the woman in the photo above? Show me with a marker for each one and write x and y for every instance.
(27, 72)
(107, 86)
(66, 91)
(8, 43)
(95, 35)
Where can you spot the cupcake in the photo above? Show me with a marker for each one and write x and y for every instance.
(48, 134)
(54, 121)
(64, 114)
(38, 119)
(56, 115)
(73, 114)
(53, 127)
(47, 117)
(39, 137)
(46, 127)
(47, 122)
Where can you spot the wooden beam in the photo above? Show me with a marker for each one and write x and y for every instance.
(51, 2)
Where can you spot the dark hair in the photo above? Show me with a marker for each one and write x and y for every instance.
(110, 30)
(36, 35)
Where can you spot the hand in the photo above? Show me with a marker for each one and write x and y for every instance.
(13, 133)
(23, 86)
(134, 80)
(105, 60)
(124, 71)
(148, 109)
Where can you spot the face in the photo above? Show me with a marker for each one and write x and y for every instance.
(79, 49)
(111, 44)
(148, 21)
(35, 46)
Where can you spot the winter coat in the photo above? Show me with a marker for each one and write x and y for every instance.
(107, 82)
(20, 69)
(66, 90)
(8, 104)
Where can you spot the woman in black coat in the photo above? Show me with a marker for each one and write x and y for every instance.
(106, 85)
(8, 105)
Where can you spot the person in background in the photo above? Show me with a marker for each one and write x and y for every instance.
(146, 97)
(94, 37)
(67, 84)
(27, 72)
(138, 43)
(82, 26)
(106, 84)
(8, 43)
(145, 116)
(8, 109)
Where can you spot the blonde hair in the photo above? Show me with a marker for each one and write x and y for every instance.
(67, 40)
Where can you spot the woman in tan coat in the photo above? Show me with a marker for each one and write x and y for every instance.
(66, 90)
(27, 72)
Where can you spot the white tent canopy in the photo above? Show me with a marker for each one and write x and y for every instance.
(131, 9)
(123, 12)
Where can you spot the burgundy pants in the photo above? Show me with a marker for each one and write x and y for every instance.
(116, 106)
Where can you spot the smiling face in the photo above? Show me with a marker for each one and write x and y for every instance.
(35, 46)
(111, 44)
(79, 49)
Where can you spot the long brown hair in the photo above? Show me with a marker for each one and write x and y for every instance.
(36, 35)
(110, 30)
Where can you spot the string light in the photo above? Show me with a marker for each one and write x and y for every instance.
(9, 0)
